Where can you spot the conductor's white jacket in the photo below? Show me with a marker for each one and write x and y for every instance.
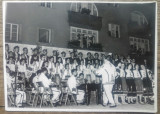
(108, 73)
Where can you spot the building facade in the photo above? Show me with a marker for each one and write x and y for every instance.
(116, 27)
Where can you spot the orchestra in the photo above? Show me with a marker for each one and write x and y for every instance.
(115, 79)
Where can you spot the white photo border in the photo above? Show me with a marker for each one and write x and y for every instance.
(4, 3)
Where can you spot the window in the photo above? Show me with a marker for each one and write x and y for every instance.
(75, 31)
(46, 4)
(78, 7)
(11, 32)
(85, 37)
(138, 18)
(140, 43)
(44, 35)
(114, 30)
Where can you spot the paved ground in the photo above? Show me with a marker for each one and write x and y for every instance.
(93, 108)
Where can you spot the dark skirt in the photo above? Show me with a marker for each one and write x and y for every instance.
(139, 85)
(131, 87)
(120, 86)
(147, 87)
(124, 84)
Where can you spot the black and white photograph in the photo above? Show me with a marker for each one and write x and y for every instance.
(80, 56)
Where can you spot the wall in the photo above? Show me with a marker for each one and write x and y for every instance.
(113, 15)
(32, 16)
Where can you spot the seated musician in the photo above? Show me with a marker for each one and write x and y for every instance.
(81, 88)
(11, 64)
(47, 82)
(22, 66)
(67, 72)
(35, 80)
(89, 73)
(20, 97)
(72, 84)
(58, 70)
(10, 79)
(33, 67)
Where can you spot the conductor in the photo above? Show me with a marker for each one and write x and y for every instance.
(108, 73)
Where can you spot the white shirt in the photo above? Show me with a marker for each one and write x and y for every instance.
(72, 83)
(66, 72)
(22, 68)
(11, 67)
(10, 80)
(144, 73)
(129, 74)
(122, 73)
(108, 73)
(136, 74)
(46, 82)
(35, 80)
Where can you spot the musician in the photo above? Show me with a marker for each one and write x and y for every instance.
(121, 85)
(25, 55)
(147, 84)
(82, 66)
(124, 84)
(22, 66)
(71, 58)
(45, 52)
(35, 80)
(20, 97)
(138, 83)
(33, 67)
(51, 65)
(58, 69)
(16, 54)
(74, 64)
(35, 55)
(55, 55)
(63, 54)
(128, 59)
(96, 58)
(10, 79)
(6, 52)
(11, 64)
(88, 58)
(130, 83)
(107, 71)
(79, 71)
(67, 72)
(72, 84)
(41, 61)
(80, 57)
(47, 82)
(133, 62)
(102, 58)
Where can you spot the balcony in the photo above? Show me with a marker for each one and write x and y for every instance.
(138, 30)
(80, 20)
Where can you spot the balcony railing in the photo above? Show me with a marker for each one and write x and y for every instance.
(84, 20)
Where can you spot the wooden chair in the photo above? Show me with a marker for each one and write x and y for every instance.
(10, 96)
(69, 93)
(66, 92)
(45, 92)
